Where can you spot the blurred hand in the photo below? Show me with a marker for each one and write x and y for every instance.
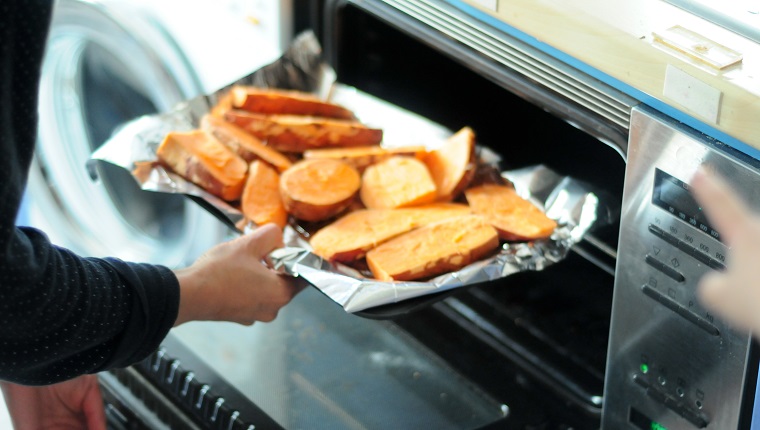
(231, 283)
(74, 404)
(735, 293)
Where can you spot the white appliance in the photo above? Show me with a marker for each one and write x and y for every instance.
(107, 62)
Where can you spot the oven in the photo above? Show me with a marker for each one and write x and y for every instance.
(612, 337)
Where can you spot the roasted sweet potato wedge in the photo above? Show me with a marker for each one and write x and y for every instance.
(261, 201)
(202, 159)
(514, 217)
(396, 183)
(222, 105)
(294, 133)
(315, 190)
(244, 144)
(285, 102)
(453, 165)
(352, 235)
(362, 157)
(441, 247)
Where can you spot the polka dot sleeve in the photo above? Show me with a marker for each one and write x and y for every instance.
(61, 315)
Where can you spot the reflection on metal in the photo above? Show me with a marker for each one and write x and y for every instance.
(741, 17)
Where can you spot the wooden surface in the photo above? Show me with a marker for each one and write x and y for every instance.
(615, 37)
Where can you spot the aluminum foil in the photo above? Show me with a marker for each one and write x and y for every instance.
(571, 203)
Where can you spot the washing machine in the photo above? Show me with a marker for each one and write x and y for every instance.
(109, 61)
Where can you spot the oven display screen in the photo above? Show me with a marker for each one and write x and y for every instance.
(674, 196)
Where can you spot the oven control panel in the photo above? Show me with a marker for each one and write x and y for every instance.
(671, 363)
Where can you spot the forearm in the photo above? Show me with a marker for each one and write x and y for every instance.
(62, 315)
(194, 302)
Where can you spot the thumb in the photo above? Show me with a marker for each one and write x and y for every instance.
(264, 240)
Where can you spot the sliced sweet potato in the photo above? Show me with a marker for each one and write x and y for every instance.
(295, 133)
(437, 248)
(397, 182)
(453, 165)
(275, 101)
(222, 105)
(247, 146)
(363, 156)
(350, 237)
(514, 217)
(315, 190)
(200, 158)
(261, 202)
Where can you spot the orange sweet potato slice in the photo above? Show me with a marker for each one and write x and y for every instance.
(437, 248)
(296, 133)
(275, 101)
(222, 105)
(315, 190)
(362, 157)
(452, 166)
(351, 236)
(247, 146)
(397, 182)
(261, 202)
(202, 159)
(514, 217)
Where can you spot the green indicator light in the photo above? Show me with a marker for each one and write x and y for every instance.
(658, 426)
(644, 369)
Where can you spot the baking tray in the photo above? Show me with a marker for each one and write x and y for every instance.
(573, 204)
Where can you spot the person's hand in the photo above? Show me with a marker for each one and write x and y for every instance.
(73, 404)
(230, 282)
(735, 293)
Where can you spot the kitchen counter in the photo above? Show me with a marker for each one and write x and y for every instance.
(613, 41)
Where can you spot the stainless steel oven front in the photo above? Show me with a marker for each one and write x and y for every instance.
(671, 363)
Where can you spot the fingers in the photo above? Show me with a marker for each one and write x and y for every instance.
(726, 211)
(711, 290)
(722, 295)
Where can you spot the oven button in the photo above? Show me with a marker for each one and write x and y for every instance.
(681, 310)
(687, 248)
(667, 237)
(707, 260)
(671, 403)
(664, 268)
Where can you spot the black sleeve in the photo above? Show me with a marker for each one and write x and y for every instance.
(61, 315)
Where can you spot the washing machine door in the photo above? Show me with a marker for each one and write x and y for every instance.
(104, 65)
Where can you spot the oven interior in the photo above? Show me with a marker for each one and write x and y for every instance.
(537, 340)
